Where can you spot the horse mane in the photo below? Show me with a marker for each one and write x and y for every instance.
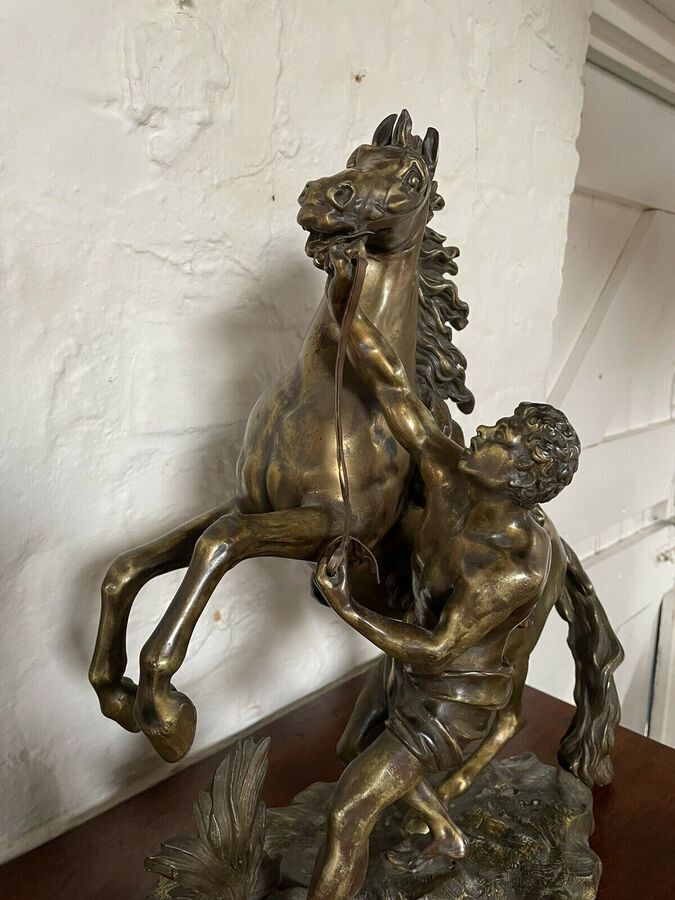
(441, 367)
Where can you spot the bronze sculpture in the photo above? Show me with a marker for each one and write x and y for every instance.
(471, 566)
(486, 565)
(288, 500)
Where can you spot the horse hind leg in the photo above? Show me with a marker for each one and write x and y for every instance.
(369, 711)
(124, 579)
(167, 717)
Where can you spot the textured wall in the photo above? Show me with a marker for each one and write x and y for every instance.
(612, 371)
(153, 282)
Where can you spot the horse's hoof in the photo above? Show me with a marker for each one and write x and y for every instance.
(117, 703)
(171, 726)
(415, 824)
(404, 857)
(453, 846)
(454, 787)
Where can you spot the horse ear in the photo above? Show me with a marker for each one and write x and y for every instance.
(402, 129)
(430, 148)
(383, 132)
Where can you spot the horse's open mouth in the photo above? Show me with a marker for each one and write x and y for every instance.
(319, 243)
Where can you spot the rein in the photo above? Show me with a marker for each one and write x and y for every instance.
(339, 554)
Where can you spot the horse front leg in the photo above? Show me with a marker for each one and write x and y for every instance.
(124, 579)
(167, 717)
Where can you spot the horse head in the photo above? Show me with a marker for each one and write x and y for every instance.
(385, 194)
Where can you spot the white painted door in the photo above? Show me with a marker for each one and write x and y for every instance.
(611, 371)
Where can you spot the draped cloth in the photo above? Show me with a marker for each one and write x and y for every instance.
(437, 716)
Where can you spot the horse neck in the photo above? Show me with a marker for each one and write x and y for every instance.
(390, 299)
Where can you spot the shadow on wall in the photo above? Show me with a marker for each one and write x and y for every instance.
(31, 785)
(281, 589)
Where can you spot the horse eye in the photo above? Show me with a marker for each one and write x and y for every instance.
(413, 179)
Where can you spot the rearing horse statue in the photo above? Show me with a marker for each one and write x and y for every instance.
(288, 501)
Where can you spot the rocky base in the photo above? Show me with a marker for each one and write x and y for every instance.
(528, 826)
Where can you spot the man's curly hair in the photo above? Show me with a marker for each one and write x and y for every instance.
(549, 456)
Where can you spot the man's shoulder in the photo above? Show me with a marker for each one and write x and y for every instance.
(512, 564)
(533, 561)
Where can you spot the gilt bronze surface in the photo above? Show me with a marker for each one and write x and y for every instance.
(527, 824)
(436, 551)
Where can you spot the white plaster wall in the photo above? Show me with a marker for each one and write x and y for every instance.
(613, 372)
(153, 282)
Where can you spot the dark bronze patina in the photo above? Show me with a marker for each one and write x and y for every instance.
(353, 457)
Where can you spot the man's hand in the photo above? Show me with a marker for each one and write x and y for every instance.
(334, 587)
(343, 257)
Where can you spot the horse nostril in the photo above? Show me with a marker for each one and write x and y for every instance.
(341, 195)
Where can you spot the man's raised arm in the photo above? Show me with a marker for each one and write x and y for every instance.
(411, 423)
(378, 364)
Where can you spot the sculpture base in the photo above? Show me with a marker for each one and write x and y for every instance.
(527, 826)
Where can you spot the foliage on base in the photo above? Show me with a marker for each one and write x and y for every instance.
(227, 860)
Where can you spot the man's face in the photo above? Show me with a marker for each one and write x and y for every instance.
(493, 453)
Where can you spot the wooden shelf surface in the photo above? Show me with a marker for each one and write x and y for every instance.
(103, 858)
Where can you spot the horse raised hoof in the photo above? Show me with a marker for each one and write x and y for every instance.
(117, 703)
(169, 725)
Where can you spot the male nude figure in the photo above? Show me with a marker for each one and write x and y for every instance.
(480, 565)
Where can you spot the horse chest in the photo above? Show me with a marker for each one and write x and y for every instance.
(290, 454)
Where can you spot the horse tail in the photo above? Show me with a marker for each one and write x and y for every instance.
(586, 746)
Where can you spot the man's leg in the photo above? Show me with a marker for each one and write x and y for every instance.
(383, 773)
